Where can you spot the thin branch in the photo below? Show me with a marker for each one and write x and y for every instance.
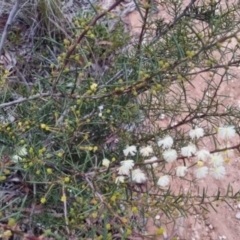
(143, 27)
(81, 36)
(24, 99)
(94, 21)
(8, 24)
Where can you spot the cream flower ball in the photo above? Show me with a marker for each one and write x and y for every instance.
(166, 142)
(138, 176)
(196, 133)
(170, 155)
(226, 132)
(130, 150)
(189, 150)
(163, 181)
(125, 167)
(146, 151)
(181, 171)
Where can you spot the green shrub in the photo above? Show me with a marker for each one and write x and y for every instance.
(80, 133)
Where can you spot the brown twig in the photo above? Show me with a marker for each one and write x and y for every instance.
(143, 27)
(93, 22)
(8, 24)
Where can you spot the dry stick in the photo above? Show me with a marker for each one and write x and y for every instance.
(8, 24)
(65, 209)
(81, 36)
(24, 99)
(36, 96)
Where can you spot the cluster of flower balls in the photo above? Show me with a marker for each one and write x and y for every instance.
(215, 160)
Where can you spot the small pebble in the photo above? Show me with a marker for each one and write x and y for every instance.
(222, 237)
(210, 226)
(237, 215)
(207, 222)
(162, 116)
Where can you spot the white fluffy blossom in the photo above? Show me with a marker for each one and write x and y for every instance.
(146, 151)
(226, 132)
(181, 171)
(163, 181)
(170, 155)
(218, 172)
(196, 133)
(150, 162)
(105, 162)
(130, 150)
(16, 158)
(125, 167)
(202, 154)
(201, 172)
(216, 159)
(100, 110)
(189, 150)
(166, 142)
(119, 179)
(138, 176)
(22, 151)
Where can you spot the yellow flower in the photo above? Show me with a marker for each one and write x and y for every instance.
(108, 226)
(160, 231)
(31, 150)
(2, 178)
(66, 42)
(134, 210)
(66, 179)
(93, 87)
(11, 222)
(43, 200)
(60, 154)
(227, 160)
(6, 234)
(129, 232)
(200, 163)
(49, 171)
(90, 148)
(64, 198)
